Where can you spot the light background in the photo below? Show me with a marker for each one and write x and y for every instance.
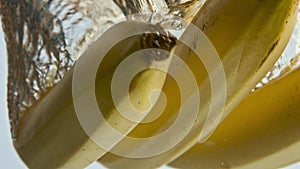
(8, 156)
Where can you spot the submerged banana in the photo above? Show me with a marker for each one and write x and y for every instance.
(249, 37)
(262, 131)
(51, 136)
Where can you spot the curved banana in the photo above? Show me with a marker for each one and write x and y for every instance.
(249, 37)
(51, 136)
(262, 131)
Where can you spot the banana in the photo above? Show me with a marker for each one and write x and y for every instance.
(50, 136)
(262, 131)
(249, 37)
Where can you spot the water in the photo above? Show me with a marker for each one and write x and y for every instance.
(44, 39)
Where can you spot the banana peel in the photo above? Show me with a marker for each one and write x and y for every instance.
(249, 37)
(262, 131)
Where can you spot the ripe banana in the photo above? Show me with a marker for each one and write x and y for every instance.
(249, 37)
(262, 131)
(51, 136)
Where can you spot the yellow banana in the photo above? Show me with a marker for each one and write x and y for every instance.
(249, 37)
(262, 131)
(51, 136)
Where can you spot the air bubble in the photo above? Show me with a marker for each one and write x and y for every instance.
(176, 24)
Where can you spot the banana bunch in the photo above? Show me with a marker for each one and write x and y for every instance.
(249, 37)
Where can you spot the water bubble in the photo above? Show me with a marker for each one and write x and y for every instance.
(176, 24)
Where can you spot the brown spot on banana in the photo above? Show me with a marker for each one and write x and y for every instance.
(272, 48)
(269, 52)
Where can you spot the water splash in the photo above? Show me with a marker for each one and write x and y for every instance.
(44, 39)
